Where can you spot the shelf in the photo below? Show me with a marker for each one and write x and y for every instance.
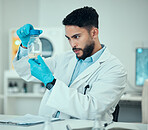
(25, 95)
(11, 74)
(15, 103)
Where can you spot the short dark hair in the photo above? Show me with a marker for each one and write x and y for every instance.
(86, 17)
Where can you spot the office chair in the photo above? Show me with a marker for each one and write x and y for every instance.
(116, 113)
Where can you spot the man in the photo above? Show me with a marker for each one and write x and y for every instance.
(82, 82)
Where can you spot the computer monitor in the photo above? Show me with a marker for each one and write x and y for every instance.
(141, 66)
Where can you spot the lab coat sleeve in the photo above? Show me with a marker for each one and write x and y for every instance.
(104, 94)
(22, 67)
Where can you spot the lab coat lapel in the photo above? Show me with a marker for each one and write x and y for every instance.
(94, 67)
(90, 69)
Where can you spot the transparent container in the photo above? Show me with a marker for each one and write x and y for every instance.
(47, 123)
(98, 125)
(34, 44)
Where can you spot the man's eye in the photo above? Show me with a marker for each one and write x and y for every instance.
(76, 37)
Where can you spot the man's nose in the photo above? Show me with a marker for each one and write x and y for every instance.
(73, 43)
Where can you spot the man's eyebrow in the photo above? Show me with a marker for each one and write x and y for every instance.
(66, 36)
(73, 35)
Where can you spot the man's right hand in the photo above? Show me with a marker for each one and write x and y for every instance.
(23, 34)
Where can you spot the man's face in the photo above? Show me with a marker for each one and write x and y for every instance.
(80, 40)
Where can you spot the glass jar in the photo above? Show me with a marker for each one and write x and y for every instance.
(98, 125)
(34, 44)
(47, 123)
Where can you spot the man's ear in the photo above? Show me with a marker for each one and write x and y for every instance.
(94, 33)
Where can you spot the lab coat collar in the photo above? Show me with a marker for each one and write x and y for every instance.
(105, 55)
(95, 56)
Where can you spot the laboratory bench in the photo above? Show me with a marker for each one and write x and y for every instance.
(73, 123)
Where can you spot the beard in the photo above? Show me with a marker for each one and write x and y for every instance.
(87, 51)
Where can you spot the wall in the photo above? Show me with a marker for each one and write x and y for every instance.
(123, 25)
(14, 14)
(0, 45)
(1, 100)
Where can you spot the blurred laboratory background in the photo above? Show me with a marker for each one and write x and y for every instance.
(123, 28)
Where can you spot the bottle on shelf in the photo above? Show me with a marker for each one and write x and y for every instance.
(10, 87)
(24, 88)
(42, 88)
(15, 88)
(36, 87)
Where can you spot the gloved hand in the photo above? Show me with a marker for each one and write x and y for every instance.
(40, 70)
(23, 33)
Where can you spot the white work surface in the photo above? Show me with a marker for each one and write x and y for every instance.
(61, 125)
(131, 97)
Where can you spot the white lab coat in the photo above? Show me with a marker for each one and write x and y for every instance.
(106, 78)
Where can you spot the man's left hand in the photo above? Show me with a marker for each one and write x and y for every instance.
(40, 70)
